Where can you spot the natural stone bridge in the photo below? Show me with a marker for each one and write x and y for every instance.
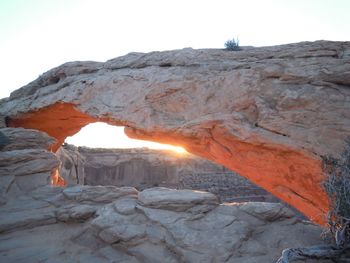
(269, 113)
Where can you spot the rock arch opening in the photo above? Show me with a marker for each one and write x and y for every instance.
(258, 112)
(103, 135)
(101, 154)
(212, 141)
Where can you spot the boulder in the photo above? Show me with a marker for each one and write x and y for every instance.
(20, 139)
(172, 199)
(25, 161)
(102, 194)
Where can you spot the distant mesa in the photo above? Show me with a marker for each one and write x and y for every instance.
(144, 168)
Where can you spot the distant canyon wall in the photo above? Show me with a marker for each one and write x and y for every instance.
(144, 168)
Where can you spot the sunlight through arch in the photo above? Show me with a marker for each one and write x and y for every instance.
(103, 135)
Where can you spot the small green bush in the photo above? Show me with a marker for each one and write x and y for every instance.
(232, 45)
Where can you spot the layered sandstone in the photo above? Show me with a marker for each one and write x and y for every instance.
(25, 162)
(268, 113)
(145, 168)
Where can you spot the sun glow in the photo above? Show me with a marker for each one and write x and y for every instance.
(177, 149)
(102, 135)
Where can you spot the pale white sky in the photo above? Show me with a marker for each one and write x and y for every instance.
(36, 35)
(102, 135)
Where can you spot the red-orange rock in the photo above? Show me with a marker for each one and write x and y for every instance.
(58, 120)
(268, 113)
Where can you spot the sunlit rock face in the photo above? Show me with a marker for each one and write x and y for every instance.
(268, 113)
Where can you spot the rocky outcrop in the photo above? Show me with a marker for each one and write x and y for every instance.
(268, 113)
(46, 223)
(145, 168)
(110, 224)
(25, 162)
(41, 223)
(20, 139)
(72, 167)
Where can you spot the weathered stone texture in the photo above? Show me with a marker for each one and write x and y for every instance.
(20, 139)
(105, 224)
(268, 113)
(25, 162)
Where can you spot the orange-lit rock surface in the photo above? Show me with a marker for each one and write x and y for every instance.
(268, 113)
(59, 121)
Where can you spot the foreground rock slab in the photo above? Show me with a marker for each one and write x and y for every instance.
(172, 199)
(110, 224)
(270, 114)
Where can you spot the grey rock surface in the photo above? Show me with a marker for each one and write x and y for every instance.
(19, 139)
(109, 224)
(177, 200)
(25, 162)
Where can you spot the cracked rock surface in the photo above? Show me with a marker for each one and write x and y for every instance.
(110, 224)
(25, 161)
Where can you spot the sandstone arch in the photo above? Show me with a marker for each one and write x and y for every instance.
(269, 114)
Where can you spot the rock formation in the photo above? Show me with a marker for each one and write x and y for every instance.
(45, 223)
(269, 113)
(144, 168)
(109, 224)
(25, 162)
